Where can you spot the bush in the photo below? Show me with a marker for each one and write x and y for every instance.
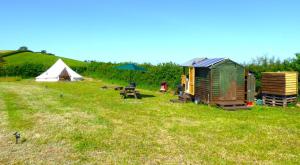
(23, 48)
(28, 70)
(266, 64)
(152, 78)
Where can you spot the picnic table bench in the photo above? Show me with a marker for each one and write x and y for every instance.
(130, 91)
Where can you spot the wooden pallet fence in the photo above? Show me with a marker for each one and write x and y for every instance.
(277, 100)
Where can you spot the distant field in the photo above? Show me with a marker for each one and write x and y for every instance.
(5, 51)
(76, 123)
(38, 58)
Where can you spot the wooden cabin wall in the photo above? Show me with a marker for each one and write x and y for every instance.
(215, 85)
(250, 85)
(227, 82)
(240, 83)
(202, 84)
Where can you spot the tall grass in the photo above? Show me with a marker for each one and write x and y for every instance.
(10, 79)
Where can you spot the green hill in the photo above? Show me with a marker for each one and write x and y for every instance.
(5, 51)
(31, 64)
(10, 57)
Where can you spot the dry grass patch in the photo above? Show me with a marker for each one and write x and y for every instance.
(48, 142)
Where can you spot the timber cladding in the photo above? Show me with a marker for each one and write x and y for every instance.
(202, 82)
(217, 81)
(280, 83)
(228, 82)
(250, 87)
(224, 81)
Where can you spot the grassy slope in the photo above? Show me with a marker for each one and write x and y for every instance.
(38, 58)
(5, 51)
(93, 125)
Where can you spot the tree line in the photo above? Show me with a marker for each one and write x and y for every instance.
(155, 74)
(270, 64)
(171, 72)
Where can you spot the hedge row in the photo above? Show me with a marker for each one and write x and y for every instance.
(155, 74)
(13, 52)
(28, 70)
(152, 78)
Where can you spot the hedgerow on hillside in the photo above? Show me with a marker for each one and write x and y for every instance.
(29, 70)
(27, 64)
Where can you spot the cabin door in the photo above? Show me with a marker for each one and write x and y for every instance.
(250, 87)
(228, 83)
(191, 84)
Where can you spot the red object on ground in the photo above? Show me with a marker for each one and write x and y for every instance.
(163, 87)
(250, 104)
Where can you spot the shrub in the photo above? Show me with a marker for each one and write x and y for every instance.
(23, 48)
(154, 75)
(28, 70)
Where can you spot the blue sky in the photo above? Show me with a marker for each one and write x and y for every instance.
(154, 30)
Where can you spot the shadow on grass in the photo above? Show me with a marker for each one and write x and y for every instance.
(140, 96)
(146, 96)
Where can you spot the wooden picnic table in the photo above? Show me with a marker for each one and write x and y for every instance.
(130, 91)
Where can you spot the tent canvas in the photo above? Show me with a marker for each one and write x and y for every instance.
(59, 71)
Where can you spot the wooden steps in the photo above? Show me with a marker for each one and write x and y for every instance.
(232, 105)
(182, 99)
(185, 98)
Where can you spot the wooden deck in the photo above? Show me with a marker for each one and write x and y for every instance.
(182, 99)
(232, 105)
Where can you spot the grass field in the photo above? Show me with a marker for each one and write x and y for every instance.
(78, 123)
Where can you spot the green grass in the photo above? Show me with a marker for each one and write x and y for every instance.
(91, 125)
(38, 58)
(10, 79)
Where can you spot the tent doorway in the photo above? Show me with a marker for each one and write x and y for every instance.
(64, 75)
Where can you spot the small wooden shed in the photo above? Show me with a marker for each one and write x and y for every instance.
(279, 88)
(280, 83)
(215, 81)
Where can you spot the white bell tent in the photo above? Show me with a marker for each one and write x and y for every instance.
(59, 71)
